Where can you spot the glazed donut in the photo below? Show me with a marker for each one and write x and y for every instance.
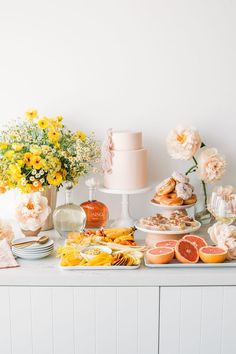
(191, 200)
(157, 199)
(184, 191)
(171, 199)
(165, 187)
(179, 177)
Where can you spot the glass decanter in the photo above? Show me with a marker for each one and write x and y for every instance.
(96, 212)
(69, 217)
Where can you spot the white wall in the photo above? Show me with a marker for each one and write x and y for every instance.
(140, 64)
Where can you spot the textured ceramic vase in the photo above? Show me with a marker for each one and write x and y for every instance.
(51, 194)
(31, 233)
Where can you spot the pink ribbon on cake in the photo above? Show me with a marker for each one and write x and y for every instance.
(106, 152)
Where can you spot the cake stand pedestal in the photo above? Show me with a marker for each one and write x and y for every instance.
(125, 218)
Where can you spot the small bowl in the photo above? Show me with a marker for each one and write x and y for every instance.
(103, 249)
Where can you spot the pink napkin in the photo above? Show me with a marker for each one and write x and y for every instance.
(7, 259)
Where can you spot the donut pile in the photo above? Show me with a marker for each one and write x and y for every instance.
(175, 190)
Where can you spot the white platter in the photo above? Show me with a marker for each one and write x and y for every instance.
(176, 264)
(172, 207)
(100, 267)
(168, 232)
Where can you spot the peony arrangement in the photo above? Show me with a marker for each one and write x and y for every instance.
(32, 211)
(38, 152)
(185, 143)
(224, 236)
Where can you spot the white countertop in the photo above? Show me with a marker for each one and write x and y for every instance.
(46, 272)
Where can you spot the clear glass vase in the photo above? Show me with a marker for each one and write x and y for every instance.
(201, 212)
(69, 217)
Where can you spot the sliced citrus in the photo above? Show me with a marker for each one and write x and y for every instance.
(186, 252)
(160, 255)
(210, 254)
(166, 243)
(196, 240)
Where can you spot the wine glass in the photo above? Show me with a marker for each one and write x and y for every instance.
(222, 204)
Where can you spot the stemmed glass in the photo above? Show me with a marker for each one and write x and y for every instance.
(222, 204)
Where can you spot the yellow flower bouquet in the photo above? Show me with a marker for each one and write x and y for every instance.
(38, 152)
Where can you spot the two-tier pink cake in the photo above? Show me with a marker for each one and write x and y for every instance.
(124, 161)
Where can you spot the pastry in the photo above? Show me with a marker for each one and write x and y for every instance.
(191, 200)
(178, 220)
(183, 190)
(166, 186)
(171, 199)
(179, 177)
(175, 191)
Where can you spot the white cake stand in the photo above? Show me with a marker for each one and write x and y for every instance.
(125, 218)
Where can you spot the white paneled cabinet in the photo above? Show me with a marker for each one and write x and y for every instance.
(197, 320)
(117, 320)
(79, 320)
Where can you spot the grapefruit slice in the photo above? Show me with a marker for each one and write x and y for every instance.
(210, 254)
(196, 240)
(166, 243)
(160, 255)
(186, 252)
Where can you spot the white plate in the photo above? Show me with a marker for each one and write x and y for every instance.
(169, 232)
(31, 256)
(100, 267)
(34, 246)
(175, 264)
(32, 249)
(172, 207)
(32, 253)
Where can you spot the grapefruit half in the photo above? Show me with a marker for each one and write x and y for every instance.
(196, 240)
(186, 252)
(210, 254)
(160, 255)
(166, 243)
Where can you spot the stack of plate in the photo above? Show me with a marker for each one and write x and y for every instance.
(35, 251)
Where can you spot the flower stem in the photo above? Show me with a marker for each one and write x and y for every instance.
(192, 169)
(195, 161)
(205, 193)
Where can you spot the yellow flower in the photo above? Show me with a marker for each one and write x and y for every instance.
(54, 163)
(3, 146)
(43, 123)
(55, 179)
(28, 158)
(36, 162)
(45, 149)
(17, 146)
(53, 135)
(31, 115)
(79, 134)
(20, 163)
(26, 189)
(35, 149)
(15, 171)
(57, 146)
(59, 118)
(9, 154)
